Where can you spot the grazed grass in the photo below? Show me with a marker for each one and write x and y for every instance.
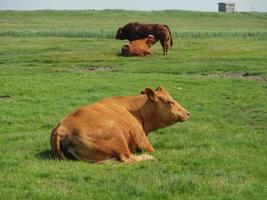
(220, 153)
(188, 55)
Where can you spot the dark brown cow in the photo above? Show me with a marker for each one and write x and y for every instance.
(139, 47)
(116, 127)
(135, 31)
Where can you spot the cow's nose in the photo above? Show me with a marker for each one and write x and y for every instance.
(188, 113)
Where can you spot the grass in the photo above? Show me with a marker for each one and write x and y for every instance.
(111, 34)
(220, 153)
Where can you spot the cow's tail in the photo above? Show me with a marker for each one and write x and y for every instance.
(171, 42)
(57, 136)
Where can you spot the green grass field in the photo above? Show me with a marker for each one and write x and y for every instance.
(52, 62)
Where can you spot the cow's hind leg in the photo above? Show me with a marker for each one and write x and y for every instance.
(164, 45)
(99, 149)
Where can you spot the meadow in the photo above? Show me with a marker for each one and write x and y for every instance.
(54, 61)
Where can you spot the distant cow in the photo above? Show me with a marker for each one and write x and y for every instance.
(115, 128)
(139, 47)
(134, 31)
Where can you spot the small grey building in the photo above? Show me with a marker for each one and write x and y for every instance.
(226, 7)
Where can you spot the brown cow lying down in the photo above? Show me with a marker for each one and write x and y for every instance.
(135, 31)
(138, 47)
(116, 127)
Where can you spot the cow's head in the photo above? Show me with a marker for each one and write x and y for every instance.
(125, 50)
(167, 110)
(120, 34)
(151, 40)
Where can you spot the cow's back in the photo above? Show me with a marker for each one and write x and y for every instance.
(137, 30)
(101, 116)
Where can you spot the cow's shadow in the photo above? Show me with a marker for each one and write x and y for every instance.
(48, 155)
(120, 55)
(45, 155)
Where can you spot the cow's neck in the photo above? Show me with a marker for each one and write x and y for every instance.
(142, 109)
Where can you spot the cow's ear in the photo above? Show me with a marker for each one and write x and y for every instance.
(161, 89)
(151, 94)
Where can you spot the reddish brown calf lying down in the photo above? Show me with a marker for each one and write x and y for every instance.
(138, 47)
(135, 30)
(116, 127)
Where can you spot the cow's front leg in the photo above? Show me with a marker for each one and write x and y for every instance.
(148, 52)
(145, 145)
(134, 158)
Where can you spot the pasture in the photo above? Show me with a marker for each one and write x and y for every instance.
(54, 61)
